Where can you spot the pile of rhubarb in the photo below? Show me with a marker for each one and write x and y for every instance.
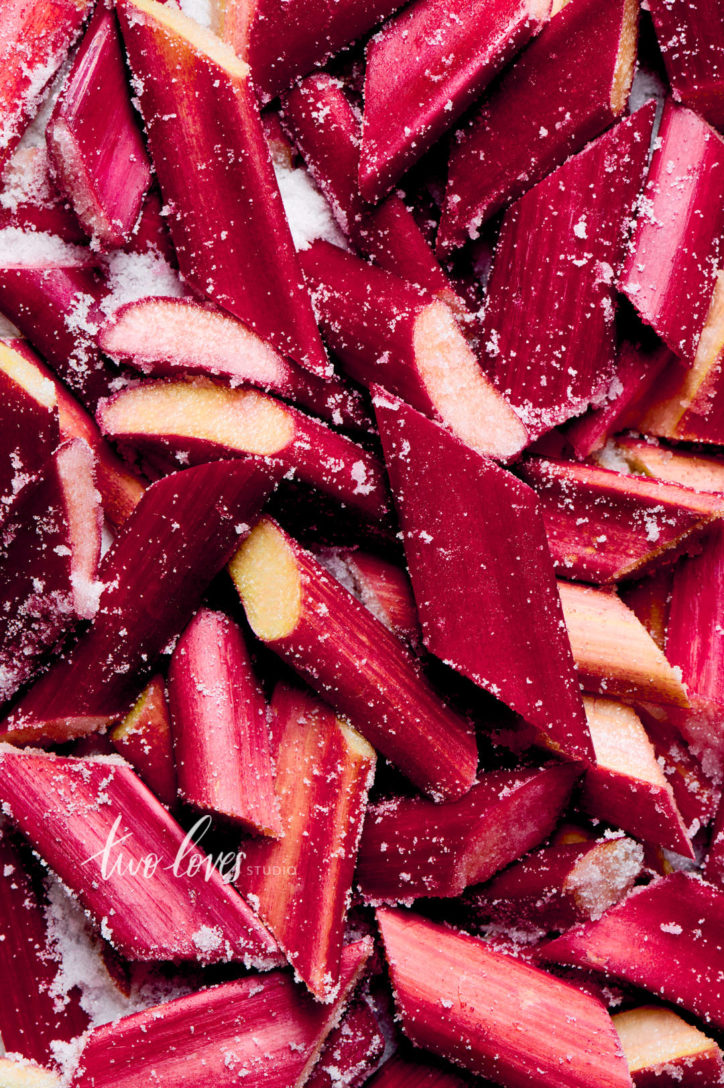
(361, 543)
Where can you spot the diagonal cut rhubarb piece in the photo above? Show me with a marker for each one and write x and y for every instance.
(565, 89)
(412, 848)
(493, 1014)
(384, 331)
(144, 883)
(353, 661)
(195, 421)
(220, 730)
(30, 428)
(352, 1050)
(691, 39)
(207, 143)
(649, 599)
(144, 739)
(301, 885)
(663, 1051)
(256, 1031)
(482, 574)
(404, 1072)
(676, 466)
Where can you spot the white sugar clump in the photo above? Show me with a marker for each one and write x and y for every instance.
(27, 249)
(308, 213)
(200, 11)
(132, 276)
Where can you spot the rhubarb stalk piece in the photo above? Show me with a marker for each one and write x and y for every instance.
(713, 869)
(352, 1050)
(353, 661)
(144, 739)
(30, 428)
(663, 1051)
(301, 884)
(493, 1014)
(23, 1074)
(479, 550)
(403, 1072)
(382, 587)
(207, 143)
(692, 470)
(691, 39)
(565, 89)
(31, 200)
(695, 791)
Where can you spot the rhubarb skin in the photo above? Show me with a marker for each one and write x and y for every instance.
(301, 885)
(179, 536)
(220, 730)
(423, 70)
(36, 204)
(153, 894)
(144, 739)
(454, 538)
(412, 848)
(385, 589)
(665, 938)
(565, 89)
(30, 429)
(695, 791)
(352, 1050)
(493, 1014)
(350, 658)
(403, 1072)
(207, 143)
(713, 869)
(663, 1051)
(691, 39)
(549, 316)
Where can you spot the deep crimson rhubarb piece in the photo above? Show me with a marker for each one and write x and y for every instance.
(301, 884)
(425, 68)
(191, 422)
(549, 316)
(352, 1050)
(670, 271)
(493, 1014)
(412, 848)
(180, 535)
(220, 729)
(478, 549)
(148, 888)
(713, 869)
(666, 938)
(649, 599)
(353, 661)
(663, 1051)
(695, 791)
(385, 331)
(144, 739)
(568, 86)
(385, 589)
(691, 39)
(29, 413)
(403, 1072)
(207, 143)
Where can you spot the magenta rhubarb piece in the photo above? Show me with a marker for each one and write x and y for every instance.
(182, 532)
(649, 599)
(495, 1015)
(423, 70)
(149, 889)
(352, 1050)
(695, 791)
(664, 1051)
(403, 1072)
(411, 847)
(207, 143)
(691, 39)
(385, 589)
(30, 200)
(384, 331)
(549, 318)
(480, 550)
(565, 89)
(144, 739)
(30, 429)
(713, 870)
(353, 661)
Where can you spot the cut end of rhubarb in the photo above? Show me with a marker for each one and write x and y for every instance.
(603, 875)
(182, 26)
(21, 371)
(76, 465)
(22, 1074)
(626, 58)
(268, 579)
(652, 1036)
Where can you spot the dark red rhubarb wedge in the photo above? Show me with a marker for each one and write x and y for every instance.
(172, 336)
(677, 467)
(220, 729)
(301, 885)
(403, 1072)
(19, 1073)
(260, 1031)
(150, 890)
(144, 739)
(627, 787)
(566, 88)
(691, 39)
(665, 938)
(424, 69)
(385, 589)
(384, 331)
(352, 1050)
(695, 792)
(493, 1014)
(603, 526)
(713, 869)
(191, 422)
(353, 661)
(482, 574)
(669, 273)
(412, 848)
(549, 316)
(29, 414)
(177, 539)
(663, 1051)
(207, 143)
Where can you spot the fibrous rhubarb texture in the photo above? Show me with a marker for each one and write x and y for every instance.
(691, 39)
(663, 1051)
(352, 1050)
(96, 149)
(549, 316)
(144, 739)
(482, 574)
(566, 88)
(384, 331)
(301, 884)
(670, 271)
(695, 790)
(177, 539)
(412, 848)
(493, 1014)
(382, 587)
(30, 429)
(692, 470)
(353, 661)
(207, 143)
(148, 888)
(406, 1072)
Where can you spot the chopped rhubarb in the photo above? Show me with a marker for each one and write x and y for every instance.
(403, 1072)
(713, 869)
(144, 739)
(353, 661)
(663, 1051)
(29, 414)
(352, 1050)
(385, 589)
(676, 466)
(649, 599)
(691, 39)
(30, 200)
(695, 791)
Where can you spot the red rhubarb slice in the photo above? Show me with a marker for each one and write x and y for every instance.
(144, 739)
(351, 1052)
(403, 1072)
(695, 791)
(568, 86)
(207, 143)
(493, 1014)
(663, 1051)
(713, 869)
(382, 587)
(691, 39)
(29, 413)
(476, 550)
(353, 661)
